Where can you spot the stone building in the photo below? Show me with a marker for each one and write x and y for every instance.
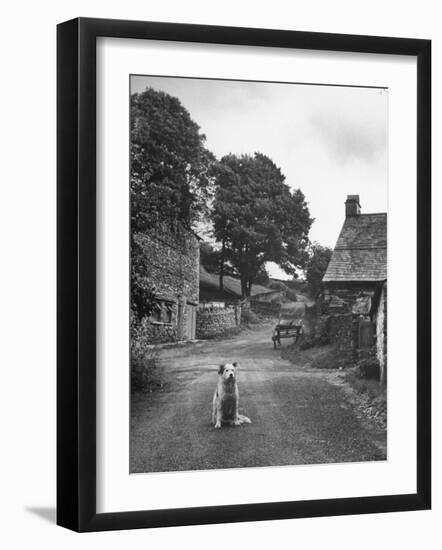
(353, 301)
(173, 260)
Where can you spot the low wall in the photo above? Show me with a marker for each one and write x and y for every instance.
(216, 322)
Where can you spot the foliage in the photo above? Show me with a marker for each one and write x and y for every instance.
(209, 257)
(170, 167)
(307, 341)
(319, 257)
(169, 179)
(146, 371)
(257, 218)
(249, 317)
(288, 293)
(142, 292)
(291, 295)
(278, 285)
(368, 368)
(262, 277)
(369, 387)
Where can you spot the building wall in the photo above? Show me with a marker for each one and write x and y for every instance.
(343, 310)
(354, 298)
(173, 260)
(381, 333)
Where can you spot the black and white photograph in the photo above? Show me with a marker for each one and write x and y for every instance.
(258, 243)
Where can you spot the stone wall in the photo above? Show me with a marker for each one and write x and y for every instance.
(156, 333)
(343, 333)
(216, 321)
(349, 309)
(172, 255)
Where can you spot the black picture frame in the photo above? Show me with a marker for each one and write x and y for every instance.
(77, 287)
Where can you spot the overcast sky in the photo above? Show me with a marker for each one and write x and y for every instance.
(329, 141)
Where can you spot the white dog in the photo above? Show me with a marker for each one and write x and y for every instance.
(226, 398)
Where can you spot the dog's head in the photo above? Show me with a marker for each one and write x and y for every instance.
(228, 372)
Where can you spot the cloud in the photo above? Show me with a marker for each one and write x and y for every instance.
(348, 140)
(329, 141)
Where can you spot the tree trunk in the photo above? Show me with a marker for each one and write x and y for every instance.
(246, 287)
(249, 289)
(243, 288)
(221, 266)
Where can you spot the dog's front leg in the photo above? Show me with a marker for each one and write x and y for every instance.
(214, 408)
(236, 420)
(218, 417)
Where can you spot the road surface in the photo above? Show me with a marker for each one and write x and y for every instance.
(299, 415)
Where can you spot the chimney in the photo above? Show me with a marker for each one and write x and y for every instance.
(352, 206)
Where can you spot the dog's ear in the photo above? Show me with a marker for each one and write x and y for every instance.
(221, 369)
(235, 364)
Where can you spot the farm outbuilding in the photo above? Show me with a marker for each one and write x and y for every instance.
(173, 258)
(354, 287)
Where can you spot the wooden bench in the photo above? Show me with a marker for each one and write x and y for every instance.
(286, 330)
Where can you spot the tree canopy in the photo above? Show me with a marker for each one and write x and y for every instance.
(169, 179)
(170, 167)
(257, 218)
(319, 257)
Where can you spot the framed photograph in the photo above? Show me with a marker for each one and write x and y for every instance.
(243, 274)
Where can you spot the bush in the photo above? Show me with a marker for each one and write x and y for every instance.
(368, 369)
(370, 387)
(306, 342)
(249, 317)
(291, 295)
(146, 372)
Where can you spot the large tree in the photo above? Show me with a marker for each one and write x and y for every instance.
(257, 218)
(170, 167)
(319, 257)
(169, 179)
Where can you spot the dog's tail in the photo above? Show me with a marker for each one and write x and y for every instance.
(244, 419)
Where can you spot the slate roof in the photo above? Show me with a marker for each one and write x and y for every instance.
(360, 253)
(231, 285)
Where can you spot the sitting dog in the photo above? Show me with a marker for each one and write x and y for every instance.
(226, 398)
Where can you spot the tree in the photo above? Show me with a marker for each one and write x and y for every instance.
(319, 257)
(257, 218)
(142, 290)
(170, 172)
(209, 257)
(170, 180)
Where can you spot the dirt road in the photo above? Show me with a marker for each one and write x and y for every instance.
(299, 415)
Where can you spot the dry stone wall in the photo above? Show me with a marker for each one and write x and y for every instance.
(217, 321)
